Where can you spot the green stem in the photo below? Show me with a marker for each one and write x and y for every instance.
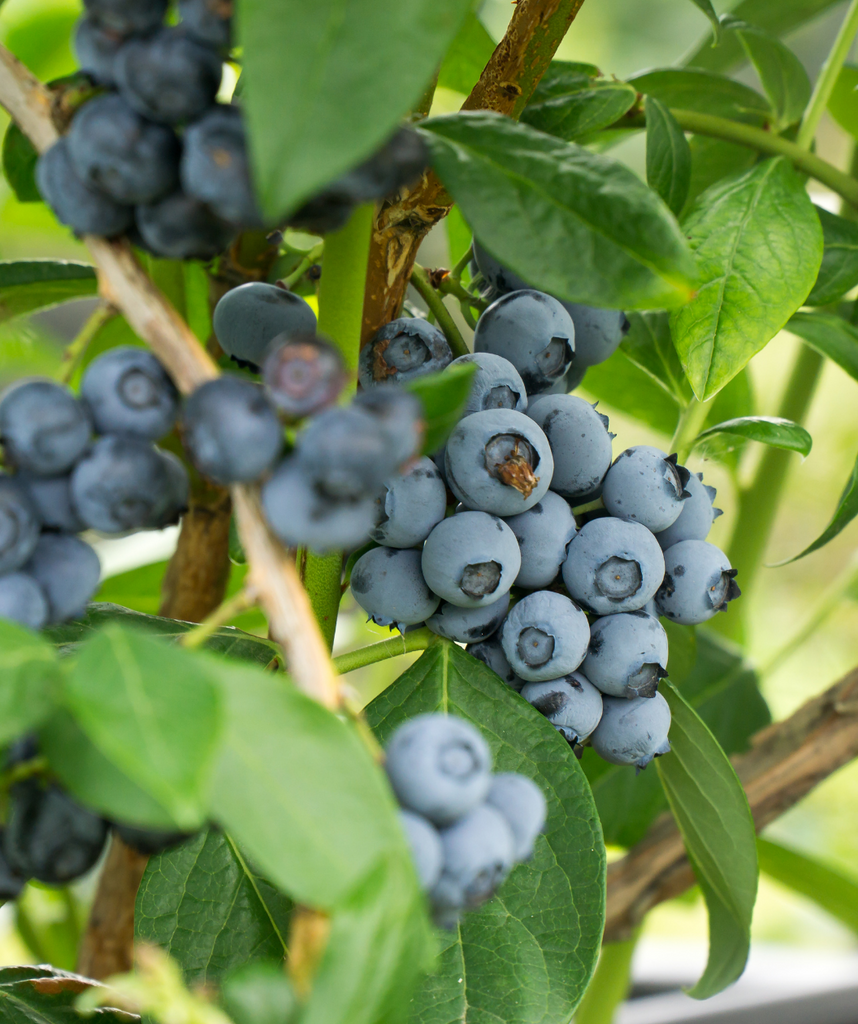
(691, 419)
(76, 350)
(223, 614)
(417, 640)
(451, 286)
(458, 270)
(322, 578)
(609, 985)
(312, 257)
(828, 77)
(420, 280)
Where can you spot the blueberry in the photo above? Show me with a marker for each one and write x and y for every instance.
(400, 415)
(215, 166)
(149, 841)
(49, 836)
(128, 391)
(84, 209)
(401, 351)
(22, 600)
(127, 16)
(19, 525)
(121, 484)
(490, 653)
(96, 49)
(496, 384)
(116, 151)
(67, 569)
(534, 332)
(498, 461)
(543, 534)
(179, 492)
(580, 441)
(471, 559)
(598, 332)
(698, 582)
(11, 883)
(169, 76)
(634, 731)
(439, 766)
(522, 803)
(426, 848)
(613, 566)
(44, 428)
(412, 504)
(697, 515)
(468, 625)
(388, 584)
(303, 375)
(545, 636)
(645, 485)
(628, 654)
(479, 853)
(498, 277)
(231, 430)
(248, 318)
(572, 704)
(303, 516)
(209, 21)
(180, 227)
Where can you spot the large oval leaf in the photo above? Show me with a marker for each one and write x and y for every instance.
(26, 285)
(846, 511)
(584, 107)
(576, 224)
(668, 155)
(782, 74)
(759, 247)
(527, 955)
(771, 430)
(708, 93)
(839, 270)
(829, 334)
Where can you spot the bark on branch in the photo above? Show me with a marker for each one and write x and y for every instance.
(786, 761)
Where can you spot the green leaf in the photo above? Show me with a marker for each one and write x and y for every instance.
(649, 345)
(839, 271)
(137, 590)
(827, 887)
(45, 995)
(209, 909)
(443, 396)
(527, 955)
(781, 73)
(712, 160)
(27, 285)
(771, 430)
(705, 92)
(346, 109)
(587, 105)
(19, 165)
(713, 815)
(621, 384)
(153, 710)
(29, 681)
(259, 994)
(843, 102)
(579, 225)
(668, 155)
(829, 334)
(468, 55)
(709, 11)
(847, 509)
(759, 245)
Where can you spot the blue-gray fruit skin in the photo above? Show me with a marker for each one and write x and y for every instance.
(248, 318)
(697, 515)
(178, 489)
(598, 332)
(168, 77)
(117, 151)
(632, 732)
(490, 653)
(96, 49)
(208, 21)
(303, 516)
(571, 379)
(479, 853)
(523, 804)
(426, 849)
(498, 461)
(403, 350)
(19, 525)
(698, 582)
(499, 278)
(22, 600)
(543, 534)
(572, 704)
(471, 559)
(77, 205)
(645, 486)
(496, 384)
(613, 566)
(439, 766)
(215, 167)
(400, 416)
(468, 625)
(231, 430)
(545, 636)
(627, 655)
(180, 227)
(388, 584)
(11, 883)
(128, 391)
(68, 571)
(412, 504)
(534, 332)
(44, 428)
(303, 375)
(127, 17)
(580, 441)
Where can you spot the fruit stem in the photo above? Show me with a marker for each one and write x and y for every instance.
(691, 419)
(456, 272)
(417, 640)
(609, 985)
(312, 257)
(435, 302)
(452, 286)
(828, 75)
(103, 313)
(224, 613)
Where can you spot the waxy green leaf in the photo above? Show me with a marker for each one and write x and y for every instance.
(771, 430)
(829, 334)
(28, 285)
(705, 92)
(29, 681)
(467, 56)
(46, 995)
(781, 73)
(843, 102)
(668, 155)
(847, 509)
(443, 396)
(584, 106)
(839, 271)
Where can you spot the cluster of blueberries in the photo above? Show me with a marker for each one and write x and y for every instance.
(154, 156)
(466, 826)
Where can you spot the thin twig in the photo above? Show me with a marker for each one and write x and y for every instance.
(76, 350)
(435, 302)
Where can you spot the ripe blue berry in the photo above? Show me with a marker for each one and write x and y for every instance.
(698, 582)
(468, 625)
(180, 227)
(426, 848)
(400, 416)
(128, 391)
(248, 318)
(127, 16)
(627, 655)
(598, 333)
(209, 21)
(522, 803)
(580, 442)
(645, 486)
(412, 504)
(44, 428)
(543, 534)
(388, 584)
(96, 49)
(22, 600)
(11, 883)
(19, 525)
(632, 732)
(178, 488)
(403, 350)
(303, 375)
(697, 515)
(613, 566)
(545, 636)
(490, 653)
(496, 384)
(67, 570)
(500, 279)
(471, 559)
(572, 704)
(215, 166)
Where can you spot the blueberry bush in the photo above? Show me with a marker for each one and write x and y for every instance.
(337, 429)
